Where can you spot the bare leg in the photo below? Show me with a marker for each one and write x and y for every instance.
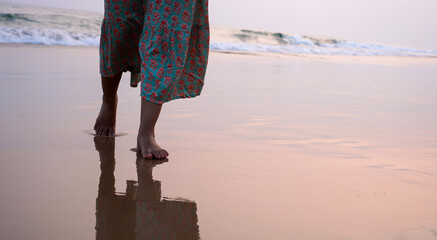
(105, 122)
(146, 143)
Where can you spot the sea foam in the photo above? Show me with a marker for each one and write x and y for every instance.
(49, 26)
(47, 37)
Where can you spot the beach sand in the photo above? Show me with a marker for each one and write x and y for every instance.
(276, 147)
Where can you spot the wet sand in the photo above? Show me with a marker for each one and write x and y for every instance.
(276, 147)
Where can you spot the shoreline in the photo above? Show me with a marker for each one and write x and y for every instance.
(335, 58)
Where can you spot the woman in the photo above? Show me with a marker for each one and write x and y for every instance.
(164, 44)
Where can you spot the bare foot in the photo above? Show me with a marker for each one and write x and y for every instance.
(146, 143)
(105, 122)
(148, 148)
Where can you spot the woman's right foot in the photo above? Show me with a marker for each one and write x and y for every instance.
(105, 122)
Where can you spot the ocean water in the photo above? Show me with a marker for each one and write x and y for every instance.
(26, 24)
(305, 148)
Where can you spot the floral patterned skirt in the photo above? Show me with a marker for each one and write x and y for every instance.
(164, 42)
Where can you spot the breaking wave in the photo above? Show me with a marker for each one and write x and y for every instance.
(49, 26)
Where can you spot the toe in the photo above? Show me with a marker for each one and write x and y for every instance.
(107, 131)
(98, 130)
(163, 153)
(111, 132)
(156, 154)
(147, 155)
(104, 131)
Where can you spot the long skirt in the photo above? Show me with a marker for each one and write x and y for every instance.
(163, 43)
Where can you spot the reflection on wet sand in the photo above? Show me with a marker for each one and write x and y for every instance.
(140, 213)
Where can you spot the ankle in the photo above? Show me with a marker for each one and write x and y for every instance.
(109, 98)
(145, 131)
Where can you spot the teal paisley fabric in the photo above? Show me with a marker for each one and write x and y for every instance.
(166, 41)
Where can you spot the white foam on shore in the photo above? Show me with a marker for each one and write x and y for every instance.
(36, 25)
(48, 37)
(231, 39)
(367, 50)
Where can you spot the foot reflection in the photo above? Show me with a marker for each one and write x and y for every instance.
(140, 213)
(115, 213)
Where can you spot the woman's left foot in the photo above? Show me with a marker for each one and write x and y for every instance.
(148, 148)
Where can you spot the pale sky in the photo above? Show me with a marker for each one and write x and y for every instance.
(410, 23)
